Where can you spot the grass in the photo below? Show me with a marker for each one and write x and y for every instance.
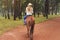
(42, 19)
(6, 24)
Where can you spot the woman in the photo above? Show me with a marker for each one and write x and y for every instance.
(29, 11)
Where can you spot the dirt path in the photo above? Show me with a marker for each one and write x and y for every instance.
(49, 30)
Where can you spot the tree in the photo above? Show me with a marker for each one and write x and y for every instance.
(7, 2)
(17, 9)
(46, 8)
(4, 7)
(56, 6)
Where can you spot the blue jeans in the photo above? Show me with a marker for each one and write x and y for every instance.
(25, 18)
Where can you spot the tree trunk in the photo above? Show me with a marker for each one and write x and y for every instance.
(17, 9)
(8, 14)
(38, 14)
(8, 10)
(34, 8)
(3, 13)
(52, 10)
(11, 10)
(46, 8)
(56, 8)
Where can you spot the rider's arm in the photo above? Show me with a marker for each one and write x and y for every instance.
(31, 10)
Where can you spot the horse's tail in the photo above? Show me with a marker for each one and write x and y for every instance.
(32, 21)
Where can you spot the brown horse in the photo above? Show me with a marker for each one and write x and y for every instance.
(30, 22)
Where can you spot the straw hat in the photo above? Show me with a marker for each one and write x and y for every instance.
(29, 4)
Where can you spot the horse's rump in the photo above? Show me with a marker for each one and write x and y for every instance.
(30, 20)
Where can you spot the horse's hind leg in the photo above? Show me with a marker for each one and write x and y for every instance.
(28, 32)
(31, 32)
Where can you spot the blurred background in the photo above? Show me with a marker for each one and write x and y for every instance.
(16, 8)
(11, 10)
